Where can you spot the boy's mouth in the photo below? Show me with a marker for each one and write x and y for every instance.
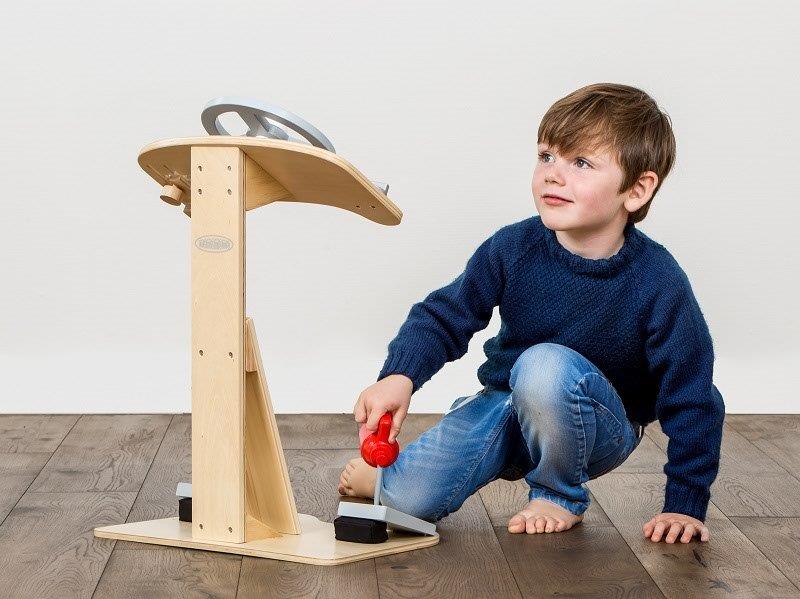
(554, 198)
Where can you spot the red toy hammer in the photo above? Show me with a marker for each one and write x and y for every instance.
(377, 451)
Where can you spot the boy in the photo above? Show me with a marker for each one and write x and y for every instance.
(600, 334)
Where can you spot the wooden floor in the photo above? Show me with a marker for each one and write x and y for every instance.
(62, 475)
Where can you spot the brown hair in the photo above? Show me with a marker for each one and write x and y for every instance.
(618, 117)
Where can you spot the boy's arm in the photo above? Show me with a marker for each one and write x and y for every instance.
(689, 406)
(438, 329)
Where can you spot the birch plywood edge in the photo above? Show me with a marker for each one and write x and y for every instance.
(315, 545)
(276, 171)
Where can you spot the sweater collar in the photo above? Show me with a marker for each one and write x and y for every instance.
(598, 266)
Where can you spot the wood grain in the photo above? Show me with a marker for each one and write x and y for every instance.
(34, 433)
(750, 482)
(778, 539)
(468, 561)
(728, 565)
(104, 452)
(47, 547)
(152, 573)
(340, 431)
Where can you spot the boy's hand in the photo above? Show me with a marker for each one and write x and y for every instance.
(390, 394)
(674, 524)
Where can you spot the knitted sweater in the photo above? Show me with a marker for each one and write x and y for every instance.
(633, 315)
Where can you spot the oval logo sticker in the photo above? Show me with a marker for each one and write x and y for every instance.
(213, 243)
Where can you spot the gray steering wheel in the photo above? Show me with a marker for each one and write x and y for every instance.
(256, 115)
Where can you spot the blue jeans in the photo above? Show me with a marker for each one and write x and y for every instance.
(561, 425)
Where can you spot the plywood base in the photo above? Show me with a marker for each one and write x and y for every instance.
(316, 544)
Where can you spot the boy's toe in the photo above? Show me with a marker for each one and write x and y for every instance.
(517, 523)
(530, 525)
(541, 522)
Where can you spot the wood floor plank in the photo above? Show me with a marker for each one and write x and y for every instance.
(778, 539)
(737, 454)
(171, 465)
(777, 435)
(749, 483)
(315, 477)
(17, 471)
(340, 431)
(47, 548)
(566, 563)
(646, 458)
(155, 574)
(105, 452)
(467, 562)
(271, 579)
(728, 565)
(584, 561)
(34, 433)
(47, 544)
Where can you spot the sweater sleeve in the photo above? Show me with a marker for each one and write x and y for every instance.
(689, 406)
(439, 328)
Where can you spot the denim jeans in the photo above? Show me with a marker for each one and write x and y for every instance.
(561, 425)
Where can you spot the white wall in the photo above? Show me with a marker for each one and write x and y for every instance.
(440, 99)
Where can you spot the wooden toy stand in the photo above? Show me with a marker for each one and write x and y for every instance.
(242, 500)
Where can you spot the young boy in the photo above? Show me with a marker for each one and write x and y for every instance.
(600, 334)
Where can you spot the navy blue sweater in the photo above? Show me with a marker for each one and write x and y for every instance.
(633, 315)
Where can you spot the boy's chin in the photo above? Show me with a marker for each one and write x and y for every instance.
(556, 222)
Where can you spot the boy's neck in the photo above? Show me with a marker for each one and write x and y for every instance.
(596, 243)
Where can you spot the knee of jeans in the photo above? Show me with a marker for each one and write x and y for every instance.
(538, 377)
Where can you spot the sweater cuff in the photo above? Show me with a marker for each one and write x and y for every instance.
(412, 364)
(682, 499)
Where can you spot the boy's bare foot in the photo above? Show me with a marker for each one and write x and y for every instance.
(541, 515)
(357, 479)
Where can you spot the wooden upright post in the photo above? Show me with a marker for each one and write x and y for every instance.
(242, 500)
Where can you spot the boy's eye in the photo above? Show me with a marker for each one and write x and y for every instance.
(577, 160)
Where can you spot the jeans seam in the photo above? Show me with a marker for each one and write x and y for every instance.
(583, 458)
(614, 416)
(470, 471)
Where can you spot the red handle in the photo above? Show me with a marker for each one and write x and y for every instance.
(376, 449)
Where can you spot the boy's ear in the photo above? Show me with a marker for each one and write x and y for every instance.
(641, 191)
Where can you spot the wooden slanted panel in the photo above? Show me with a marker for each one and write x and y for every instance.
(261, 187)
(218, 380)
(270, 500)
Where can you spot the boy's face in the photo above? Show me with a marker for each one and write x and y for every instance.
(589, 180)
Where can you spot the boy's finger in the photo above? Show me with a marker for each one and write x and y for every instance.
(674, 530)
(704, 534)
(372, 419)
(688, 533)
(397, 422)
(360, 412)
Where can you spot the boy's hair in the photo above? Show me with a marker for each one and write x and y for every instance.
(617, 117)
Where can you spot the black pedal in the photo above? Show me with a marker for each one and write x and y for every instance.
(185, 509)
(360, 530)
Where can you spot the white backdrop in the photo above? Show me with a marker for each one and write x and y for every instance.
(442, 100)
